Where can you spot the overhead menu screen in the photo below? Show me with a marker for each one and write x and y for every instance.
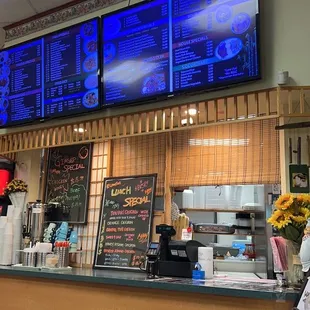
(21, 83)
(214, 42)
(173, 46)
(71, 70)
(136, 45)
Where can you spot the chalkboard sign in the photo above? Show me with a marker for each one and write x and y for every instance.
(125, 221)
(67, 184)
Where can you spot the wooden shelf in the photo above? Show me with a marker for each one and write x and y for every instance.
(223, 210)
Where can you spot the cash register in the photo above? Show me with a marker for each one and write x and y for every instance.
(171, 258)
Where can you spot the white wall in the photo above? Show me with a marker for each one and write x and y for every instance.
(285, 44)
(28, 170)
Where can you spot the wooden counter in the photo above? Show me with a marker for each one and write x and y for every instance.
(31, 293)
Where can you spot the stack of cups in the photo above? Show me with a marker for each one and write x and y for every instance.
(49, 232)
(3, 221)
(62, 232)
(7, 244)
(17, 235)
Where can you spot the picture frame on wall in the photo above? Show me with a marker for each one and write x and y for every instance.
(299, 178)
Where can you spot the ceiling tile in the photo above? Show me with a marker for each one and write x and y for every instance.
(42, 6)
(10, 14)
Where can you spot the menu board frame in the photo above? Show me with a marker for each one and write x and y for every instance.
(152, 207)
(87, 189)
(193, 90)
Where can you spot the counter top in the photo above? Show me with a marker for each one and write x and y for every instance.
(221, 285)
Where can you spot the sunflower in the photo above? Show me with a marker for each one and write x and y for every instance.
(284, 202)
(303, 198)
(280, 219)
(301, 217)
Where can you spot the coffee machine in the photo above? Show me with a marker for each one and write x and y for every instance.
(33, 227)
(171, 258)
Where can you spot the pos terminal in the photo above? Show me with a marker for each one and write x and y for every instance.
(171, 258)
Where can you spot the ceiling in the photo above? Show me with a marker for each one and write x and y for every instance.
(13, 11)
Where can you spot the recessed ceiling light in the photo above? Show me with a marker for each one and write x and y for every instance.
(80, 130)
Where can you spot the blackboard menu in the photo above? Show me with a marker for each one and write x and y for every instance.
(125, 221)
(67, 184)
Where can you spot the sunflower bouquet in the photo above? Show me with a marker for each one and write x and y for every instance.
(290, 216)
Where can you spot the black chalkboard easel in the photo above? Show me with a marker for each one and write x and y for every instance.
(67, 183)
(125, 221)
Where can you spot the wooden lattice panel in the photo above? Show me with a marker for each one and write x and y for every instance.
(87, 233)
(261, 105)
(294, 101)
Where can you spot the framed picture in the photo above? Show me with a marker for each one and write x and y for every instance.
(299, 179)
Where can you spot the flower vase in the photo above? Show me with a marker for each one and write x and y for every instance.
(294, 274)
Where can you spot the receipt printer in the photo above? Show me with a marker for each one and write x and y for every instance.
(171, 258)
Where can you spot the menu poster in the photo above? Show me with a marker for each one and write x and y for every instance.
(125, 221)
(67, 185)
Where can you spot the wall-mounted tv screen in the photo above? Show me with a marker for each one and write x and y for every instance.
(136, 53)
(56, 75)
(173, 46)
(21, 93)
(71, 70)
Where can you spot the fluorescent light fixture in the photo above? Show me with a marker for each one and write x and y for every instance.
(192, 111)
(219, 142)
(184, 121)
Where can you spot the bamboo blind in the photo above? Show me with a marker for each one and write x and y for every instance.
(141, 155)
(240, 153)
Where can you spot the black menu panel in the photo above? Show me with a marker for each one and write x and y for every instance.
(71, 70)
(67, 183)
(136, 53)
(21, 82)
(125, 221)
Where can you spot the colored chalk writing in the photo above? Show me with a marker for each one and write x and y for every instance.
(125, 221)
(68, 183)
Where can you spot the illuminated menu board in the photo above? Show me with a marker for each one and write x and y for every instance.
(168, 47)
(21, 83)
(71, 70)
(214, 42)
(136, 53)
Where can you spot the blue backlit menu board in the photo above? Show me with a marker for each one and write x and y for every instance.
(71, 70)
(214, 42)
(136, 53)
(172, 46)
(21, 83)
